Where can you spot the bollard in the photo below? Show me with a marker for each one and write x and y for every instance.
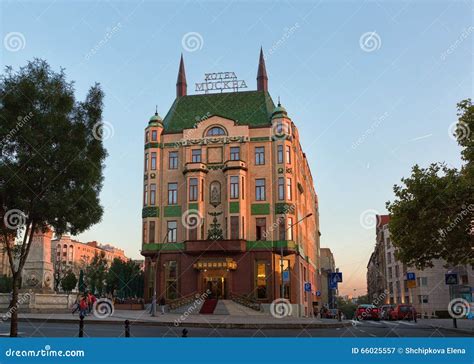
(81, 326)
(455, 323)
(127, 328)
(185, 333)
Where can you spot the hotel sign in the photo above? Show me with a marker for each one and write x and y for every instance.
(220, 81)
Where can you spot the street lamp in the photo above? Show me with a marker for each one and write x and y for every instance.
(153, 301)
(282, 292)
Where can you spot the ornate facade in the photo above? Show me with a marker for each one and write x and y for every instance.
(227, 188)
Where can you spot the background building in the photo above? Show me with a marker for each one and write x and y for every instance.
(328, 266)
(225, 183)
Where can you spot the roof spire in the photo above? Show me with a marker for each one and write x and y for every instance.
(262, 79)
(181, 85)
(279, 104)
(156, 109)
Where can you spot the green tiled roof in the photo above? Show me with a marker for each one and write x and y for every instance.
(253, 108)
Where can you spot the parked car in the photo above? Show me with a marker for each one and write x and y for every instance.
(385, 311)
(367, 312)
(403, 312)
(329, 313)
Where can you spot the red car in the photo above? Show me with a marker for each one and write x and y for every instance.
(403, 312)
(367, 312)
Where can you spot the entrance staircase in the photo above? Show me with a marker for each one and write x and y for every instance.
(208, 306)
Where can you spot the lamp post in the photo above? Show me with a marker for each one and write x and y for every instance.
(153, 301)
(282, 292)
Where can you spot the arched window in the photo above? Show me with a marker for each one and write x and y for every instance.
(215, 131)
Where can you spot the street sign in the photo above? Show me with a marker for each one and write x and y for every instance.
(332, 284)
(411, 284)
(336, 276)
(286, 276)
(411, 276)
(307, 287)
(451, 278)
(318, 293)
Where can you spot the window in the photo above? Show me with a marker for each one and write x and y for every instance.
(193, 189)
(389, 272)
(234, 186)
(234, 153)
(172, 231)
(193, 227)
(288, 154)
(196, 155)
(260, 189)
(261, 225)
(281, 188)
(173, 160)
(397, 284)
(145, 195)
(234, 227)
(152, 194)
(422, 299)
(422, 281)
(261, 279)
(397, 271)
(147, 136)
(215, 131)
(281, 228)
(288, 188)
(144, 232)
(290, 228)
(259, 155)
(280, 154)
(153, 161)
(171, 279)
(154, 135)
(389, 257)
(151, 237)
(146, 162)
(172, 193)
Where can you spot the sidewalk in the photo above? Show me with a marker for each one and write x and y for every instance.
(143, 317)
(463, 325)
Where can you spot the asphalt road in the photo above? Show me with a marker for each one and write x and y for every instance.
(362, 329)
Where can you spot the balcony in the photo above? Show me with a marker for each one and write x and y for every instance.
(195, 167)
(231, 165)
(221, 246)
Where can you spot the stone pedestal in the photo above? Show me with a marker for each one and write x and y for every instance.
(38, 270)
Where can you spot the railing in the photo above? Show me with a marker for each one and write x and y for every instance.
(182, 301)
(246, 301)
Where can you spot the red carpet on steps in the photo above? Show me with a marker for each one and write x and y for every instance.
(208, 306)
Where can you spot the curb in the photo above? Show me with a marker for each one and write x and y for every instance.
(222, 325)
(452, 329)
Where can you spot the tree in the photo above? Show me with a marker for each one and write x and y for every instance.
(96, 273)
(51, 161)
(69, 281)
(347, 307)
(125, 279)
(432, 214)
(81, 286)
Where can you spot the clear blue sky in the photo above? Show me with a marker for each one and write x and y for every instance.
(365, 116)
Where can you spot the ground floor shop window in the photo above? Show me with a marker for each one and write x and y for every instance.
(171, 280)
(261, 279)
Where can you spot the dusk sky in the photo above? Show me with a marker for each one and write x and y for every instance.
(372, 87)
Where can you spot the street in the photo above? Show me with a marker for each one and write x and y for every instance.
(360, 329)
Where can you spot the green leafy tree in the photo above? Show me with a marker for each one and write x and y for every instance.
(69, 281)
(125, 279)
(82, 285)
(51, 161)
(5, 284)
(433, 210)
(96, 272)
(347, 307)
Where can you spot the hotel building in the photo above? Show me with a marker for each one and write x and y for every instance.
(227, 189)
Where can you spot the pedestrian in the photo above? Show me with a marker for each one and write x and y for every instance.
(89, 301)
(162, 305)
(76, 305)
(83, 306)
